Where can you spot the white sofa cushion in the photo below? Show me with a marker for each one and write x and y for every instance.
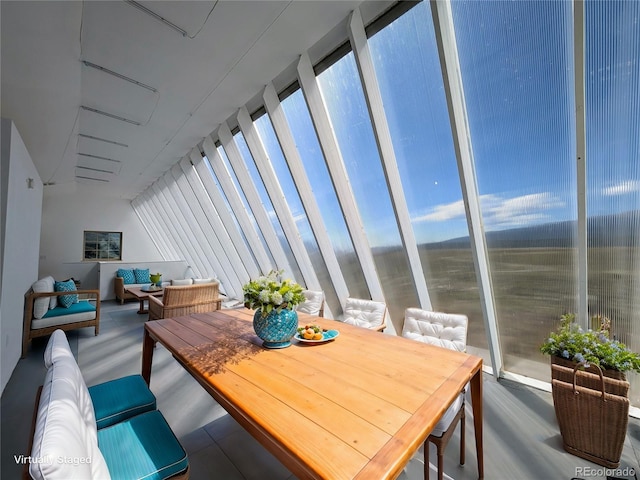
(446, 330)
(60, 354)
(199, 281)
(313, 302)
(444, 423)
(57, 347)
(182, 282)
(42, 304)
(65, 443)
(364, 313)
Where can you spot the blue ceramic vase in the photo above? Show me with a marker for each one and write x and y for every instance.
(276, 329)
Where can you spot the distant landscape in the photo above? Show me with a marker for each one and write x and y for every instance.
(534, 279)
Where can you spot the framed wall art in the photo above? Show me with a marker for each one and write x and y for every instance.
(103, 246)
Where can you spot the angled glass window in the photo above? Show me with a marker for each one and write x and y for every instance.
(228, 207)
(516, 61)
(266, 202)
(344, 99)
(279, 164)
(406, 60)
(238, 188)
(303, 132)
(612, 81)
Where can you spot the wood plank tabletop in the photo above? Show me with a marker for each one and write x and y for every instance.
(358, 406)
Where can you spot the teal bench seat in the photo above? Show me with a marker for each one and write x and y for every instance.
(120, 399)
(143, 447)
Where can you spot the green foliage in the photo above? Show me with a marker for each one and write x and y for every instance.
(269, 292)
(591, 347)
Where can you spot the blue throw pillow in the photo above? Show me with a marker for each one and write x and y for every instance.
(66, 300)
(127, 275)
(142, 275)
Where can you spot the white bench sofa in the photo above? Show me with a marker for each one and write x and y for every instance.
(68, 443)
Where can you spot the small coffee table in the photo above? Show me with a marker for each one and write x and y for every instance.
(143, 295)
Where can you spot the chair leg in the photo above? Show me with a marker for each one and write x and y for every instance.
(426, 460)
(440, 463)
(462, 435)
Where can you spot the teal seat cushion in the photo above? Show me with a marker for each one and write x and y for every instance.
(120, 399)
(143, 447)
(79, 307)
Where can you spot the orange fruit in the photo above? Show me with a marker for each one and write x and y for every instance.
(317, 336)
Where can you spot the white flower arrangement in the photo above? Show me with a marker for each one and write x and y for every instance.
(269, 292)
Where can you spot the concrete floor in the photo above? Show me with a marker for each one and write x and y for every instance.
(521, 436)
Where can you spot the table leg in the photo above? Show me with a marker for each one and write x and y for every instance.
(142, 309)
(148, 345)
(476, 403)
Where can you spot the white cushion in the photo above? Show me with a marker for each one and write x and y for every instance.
(182, 282)
(446, 330)
(444, 423)
(188, 273)
(364, 313)
(42, 304)
(60, 354)
(63, 319)
(57, 347)
(199, 281)
(65, 442)
(313, 303)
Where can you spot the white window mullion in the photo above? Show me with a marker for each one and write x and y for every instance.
(236, 241)
(253, 198)
(150, 198)
(213, 215)
(454, 92)
(173, 220)
(384, 143)
(216, 255)
(274, 190)
(151, 228)
(233, 197)
(292, 157)
(191, 228)
(335, 164)
(581, 162)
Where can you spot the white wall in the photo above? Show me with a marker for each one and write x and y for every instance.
(65, 217)
(21, 217)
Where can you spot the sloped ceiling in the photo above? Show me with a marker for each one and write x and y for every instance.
(107, 95)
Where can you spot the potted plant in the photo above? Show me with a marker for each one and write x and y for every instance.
(591, 406)
(274, 299)
(570, 344)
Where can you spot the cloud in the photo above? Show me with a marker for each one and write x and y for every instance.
(500, 211)
(444, 212)
(622, 188)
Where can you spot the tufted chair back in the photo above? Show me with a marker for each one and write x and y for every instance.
(314, 303)
(365, 313)
(446, 330)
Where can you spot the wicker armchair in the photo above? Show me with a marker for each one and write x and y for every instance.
(184, 300)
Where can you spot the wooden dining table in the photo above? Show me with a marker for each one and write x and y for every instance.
(356, 407)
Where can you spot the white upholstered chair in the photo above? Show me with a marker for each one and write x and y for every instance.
(365, 313)
(314, 303)
(445, 330)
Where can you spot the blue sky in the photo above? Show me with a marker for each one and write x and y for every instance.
(517, 66)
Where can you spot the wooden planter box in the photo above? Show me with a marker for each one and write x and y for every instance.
(592, 411)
